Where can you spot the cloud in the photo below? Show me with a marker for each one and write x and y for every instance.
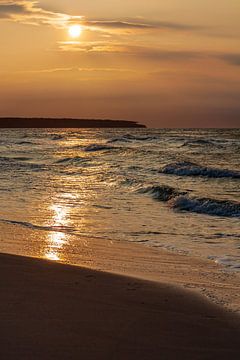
(77, 70)
(6, 10)
(147, 53)
(137, 24)
(155, 54)
(93, 47)
(232, 59)
(28, 12)
(117, 24)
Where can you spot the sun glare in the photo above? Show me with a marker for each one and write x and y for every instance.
(75, 31)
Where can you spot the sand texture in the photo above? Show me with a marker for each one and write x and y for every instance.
(55, 311)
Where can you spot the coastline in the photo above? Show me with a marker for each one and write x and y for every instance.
(60, 123)
(203, 276)
(57, 311)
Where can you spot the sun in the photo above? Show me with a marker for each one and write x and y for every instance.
(75, 30)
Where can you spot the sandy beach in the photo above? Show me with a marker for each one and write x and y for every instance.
(204, 277)
(56, 311)
(119, 180)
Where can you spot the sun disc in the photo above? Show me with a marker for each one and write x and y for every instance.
(75, 31)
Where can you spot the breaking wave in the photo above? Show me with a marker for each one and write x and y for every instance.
(25, 142)
(130, 137)
(200, 142)
(56, 137)
(186, 168)
(206, 206)
(161, 192)
(98, 147)
(61, 228)
(180, 200)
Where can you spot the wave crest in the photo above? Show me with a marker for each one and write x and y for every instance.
(206, 206)
(20, 164)
(98, 147)
(130, 137)
(186, 168)
(204, 142)
(56, 228)
(55, 137)
(180, 200)
(161, 192)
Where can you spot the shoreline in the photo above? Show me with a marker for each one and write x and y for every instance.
(203, 276)
(58, 311)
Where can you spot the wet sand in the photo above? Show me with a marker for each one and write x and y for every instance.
(203, 276)
(55, 311)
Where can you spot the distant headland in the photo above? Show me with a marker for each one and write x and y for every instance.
(12, 122)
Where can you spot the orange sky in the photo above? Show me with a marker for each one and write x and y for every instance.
(174, 63)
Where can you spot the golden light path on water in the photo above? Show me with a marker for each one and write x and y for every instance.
(68, 210)
(57, 239)
(62, 213)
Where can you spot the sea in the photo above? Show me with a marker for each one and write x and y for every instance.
(173, 189)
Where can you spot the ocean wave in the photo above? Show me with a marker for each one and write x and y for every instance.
(225, 235)
(102, 206)
(186, 168)
(118, 139)
(161, 192)
(196, 142)
(24, 142)
(206, 206)
(60, 228)
(20, 158)
(129, 182)
(98, 147)
(19, 164)
(130, 137)
(56, 137)
(5, 159)
(71, 160)
(180, 200)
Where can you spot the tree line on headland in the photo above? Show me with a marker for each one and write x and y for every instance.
(15, 122)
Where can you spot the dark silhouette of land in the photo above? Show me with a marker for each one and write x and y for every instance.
(66, 123)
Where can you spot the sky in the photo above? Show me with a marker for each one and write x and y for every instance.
(172, 63)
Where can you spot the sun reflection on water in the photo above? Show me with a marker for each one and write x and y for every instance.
(57, 239)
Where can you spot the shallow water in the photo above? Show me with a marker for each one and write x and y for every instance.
(176, 189)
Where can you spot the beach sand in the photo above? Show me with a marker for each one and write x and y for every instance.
(155, 264)
(56, 311)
